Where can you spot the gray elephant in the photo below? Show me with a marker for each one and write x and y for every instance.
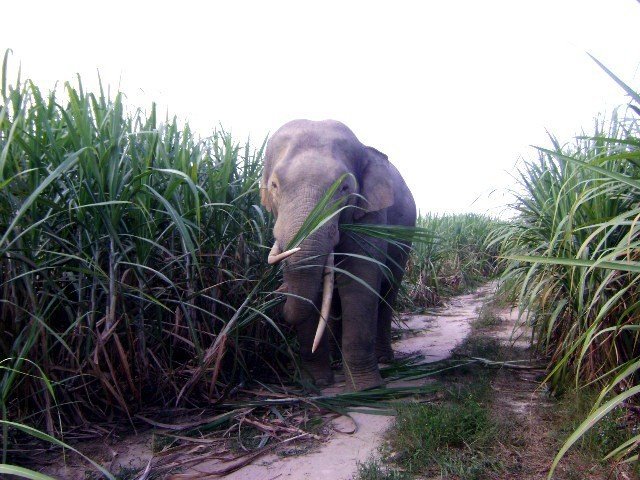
(303, 160)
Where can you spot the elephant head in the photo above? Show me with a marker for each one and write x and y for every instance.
(303, 160)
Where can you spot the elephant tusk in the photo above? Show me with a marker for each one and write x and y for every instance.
(327, 295)
(275, 256)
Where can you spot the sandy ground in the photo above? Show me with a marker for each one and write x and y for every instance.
(434, 336)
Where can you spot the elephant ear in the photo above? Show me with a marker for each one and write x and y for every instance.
(376, 186)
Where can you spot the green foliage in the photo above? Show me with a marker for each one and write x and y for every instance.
(131, 260)
(452, 259)
(20, 472)
(487, 318)
(373, 469)
(573, 261)
(572, 250)
(451, 438)
(604, 436)
(482, 346)
(430, 427)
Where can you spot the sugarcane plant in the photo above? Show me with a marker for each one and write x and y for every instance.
(572, 257)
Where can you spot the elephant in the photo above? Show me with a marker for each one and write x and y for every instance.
(303, 159)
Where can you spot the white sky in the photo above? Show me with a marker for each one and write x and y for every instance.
(454, 92)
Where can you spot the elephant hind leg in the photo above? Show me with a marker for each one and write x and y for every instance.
(397, 261)
(384, 352)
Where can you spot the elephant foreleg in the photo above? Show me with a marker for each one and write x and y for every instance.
(315, 365)
(384, 352)
(359, 313)
(334, 329)
(397, 261)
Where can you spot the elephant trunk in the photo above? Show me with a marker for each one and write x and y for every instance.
(303, 277)
(303, 269)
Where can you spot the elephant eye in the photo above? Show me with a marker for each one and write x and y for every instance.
(274, 185)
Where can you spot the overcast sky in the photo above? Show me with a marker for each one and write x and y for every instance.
(454, 92)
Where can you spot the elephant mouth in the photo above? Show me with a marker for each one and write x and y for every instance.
(328, 282)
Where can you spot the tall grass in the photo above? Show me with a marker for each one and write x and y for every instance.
(456, 258)
(573, 254)
(577, 211)
(132, 267)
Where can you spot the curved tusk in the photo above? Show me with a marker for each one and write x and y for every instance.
(275, 256)
(327, 296)
(275, 250)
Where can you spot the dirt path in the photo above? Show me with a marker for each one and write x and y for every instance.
(528, 424)
(433, 335)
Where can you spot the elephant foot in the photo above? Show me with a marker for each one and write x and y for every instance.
(356, 383)
(384, 354)
(321, 376)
